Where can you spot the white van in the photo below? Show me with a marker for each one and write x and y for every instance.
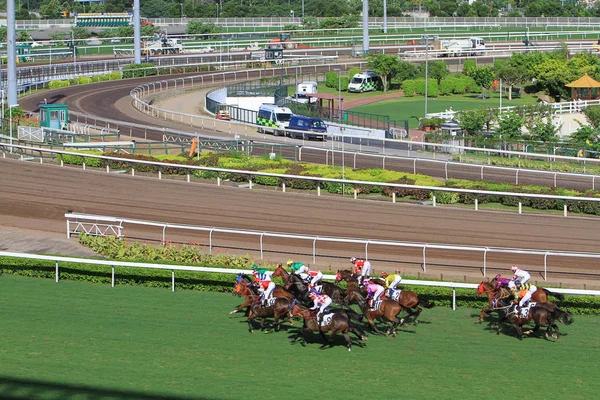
(302, 92)
(364, 82)
(273, 119)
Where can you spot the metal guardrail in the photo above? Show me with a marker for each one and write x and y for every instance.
(78, 223)
(318, 180)
(352, 156)
(114, 264)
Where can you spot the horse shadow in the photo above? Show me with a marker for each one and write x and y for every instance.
(315, 338)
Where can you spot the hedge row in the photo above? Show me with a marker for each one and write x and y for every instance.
(219, 282)
(453, 84)
(247, 163)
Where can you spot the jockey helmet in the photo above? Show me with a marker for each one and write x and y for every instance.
(514, 268)
(289, 262)
(353, 260)
(499, 276)
(366, 281)
(511, 284)
(255, 267)
(384, 274)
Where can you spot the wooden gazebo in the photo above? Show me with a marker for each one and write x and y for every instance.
(585, 88)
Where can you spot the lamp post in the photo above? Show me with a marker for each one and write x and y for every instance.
(10, 124)
(338, 70)
(426, 71)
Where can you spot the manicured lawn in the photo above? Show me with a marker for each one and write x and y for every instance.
(81, 340)
(413, 108)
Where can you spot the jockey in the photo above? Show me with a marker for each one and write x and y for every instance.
(361, 266)
(262, 277)
(374, 290)
(321, 301)
(391, 280)
(303, 272)
(501, 281)
(520, 274)
(516, 289)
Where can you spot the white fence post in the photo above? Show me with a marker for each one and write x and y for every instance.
(112, 277)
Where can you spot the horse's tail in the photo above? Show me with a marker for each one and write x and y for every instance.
(559, 296)
(424, 302)
(354, 315)
(563, 316)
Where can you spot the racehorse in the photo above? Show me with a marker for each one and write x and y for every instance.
(239, 290)
(294, 284)
(409, 300)
(387, 311)
(338, 322)
(496, 293)
(279, 308)
(542, 314)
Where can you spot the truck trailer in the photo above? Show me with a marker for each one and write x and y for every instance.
(473, 46)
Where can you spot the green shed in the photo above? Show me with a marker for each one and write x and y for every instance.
(55, 116)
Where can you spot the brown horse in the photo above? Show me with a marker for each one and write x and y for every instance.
(280, 307)
(387, 311)
(243, 282)
(338, 322)
(409, 300)
(496, 293)
(542, 314)
(294, 284)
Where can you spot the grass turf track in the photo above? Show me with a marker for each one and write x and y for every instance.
(82, 340)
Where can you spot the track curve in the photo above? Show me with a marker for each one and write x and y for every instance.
(37, 196)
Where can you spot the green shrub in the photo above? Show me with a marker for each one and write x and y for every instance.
(446, 197)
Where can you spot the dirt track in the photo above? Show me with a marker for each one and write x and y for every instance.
(37, 196)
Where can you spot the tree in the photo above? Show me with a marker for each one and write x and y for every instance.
(510, 125)
(483, 76)
(468, 66)
(511, 75)
(386, 66)
(592, 115)
(543, 130)
(435, 70)
(586, 134)
(50, 9)
(472, 121)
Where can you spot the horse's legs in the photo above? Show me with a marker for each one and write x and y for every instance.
(416, 313)
(557, 332)
(372, 325)
(250, 327)
(519, 330)
(483, 314)
(348, 340)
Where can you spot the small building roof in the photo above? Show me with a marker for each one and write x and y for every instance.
(585, 81)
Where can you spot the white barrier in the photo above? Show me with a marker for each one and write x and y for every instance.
(173, 268)
(101, 225)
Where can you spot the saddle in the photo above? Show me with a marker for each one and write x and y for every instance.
(374, 306)
(525, 310)
(268, 303)
(394, 294)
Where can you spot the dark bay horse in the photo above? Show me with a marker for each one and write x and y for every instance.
(542, 314)
(387, 312)
(280, 308)
(294, 284)
(496, 293)
(409, 300)
(243, 282)
(339, 322)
